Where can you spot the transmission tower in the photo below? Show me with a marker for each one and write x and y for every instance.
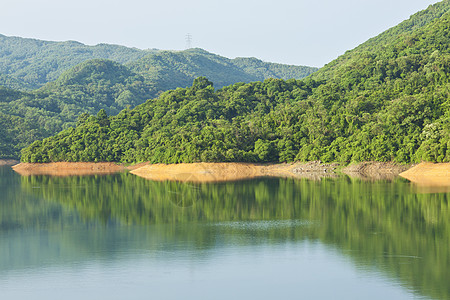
(188, 41)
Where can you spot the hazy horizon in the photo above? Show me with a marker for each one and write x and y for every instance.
(289, 32)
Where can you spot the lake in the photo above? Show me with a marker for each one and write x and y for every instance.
(124, 237)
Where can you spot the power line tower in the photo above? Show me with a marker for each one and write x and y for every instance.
(188, 41)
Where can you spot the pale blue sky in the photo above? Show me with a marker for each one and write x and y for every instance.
(302, 32)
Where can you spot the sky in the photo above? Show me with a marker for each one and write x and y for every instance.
(302, 32)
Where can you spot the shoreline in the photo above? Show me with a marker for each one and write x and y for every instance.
(221, 172)
(68, 168)
(375, 170)
(423, 174)
(211, 172)
(429, 174)
(198, 172)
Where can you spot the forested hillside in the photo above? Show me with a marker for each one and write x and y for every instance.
(389, 103)
(264, 70)
(166, 70)
(87, 88)
(28, 64)
(31, 63)
(99, 83)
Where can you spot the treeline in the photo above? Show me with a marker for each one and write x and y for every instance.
(26, 116)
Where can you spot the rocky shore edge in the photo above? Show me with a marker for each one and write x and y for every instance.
(436, 174)
(208, 172)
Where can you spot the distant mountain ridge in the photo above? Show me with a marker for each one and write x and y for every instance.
(171, 69)
(29, 64)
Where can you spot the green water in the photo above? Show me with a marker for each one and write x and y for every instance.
(124, 237)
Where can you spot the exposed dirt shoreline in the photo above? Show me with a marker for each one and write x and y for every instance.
(429, 174)
(199, 172)
(217, 172)
(209, 172)
(68, 168)
(424, 174)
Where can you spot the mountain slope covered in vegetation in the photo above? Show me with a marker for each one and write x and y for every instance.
(29, 64)
(388, 104)
(98, 84)
(385, 103)
(166, 70)
(87, 88)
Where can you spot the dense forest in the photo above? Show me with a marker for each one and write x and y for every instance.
(86, 88)
(169, 70)
(388, 102)
(26, 116)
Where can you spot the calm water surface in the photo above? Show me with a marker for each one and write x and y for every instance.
(123, 237)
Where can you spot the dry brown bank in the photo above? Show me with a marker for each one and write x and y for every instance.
(425, 174)
(217, 172)
(429, 174)
(67, 168)
(204, 172)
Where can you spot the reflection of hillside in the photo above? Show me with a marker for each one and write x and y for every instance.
(375, 223)
(20, 209)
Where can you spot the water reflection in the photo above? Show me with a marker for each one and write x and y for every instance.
(382, 225)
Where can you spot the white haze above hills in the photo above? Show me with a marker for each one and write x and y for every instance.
(300, 32)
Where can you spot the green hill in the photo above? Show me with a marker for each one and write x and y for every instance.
(388, 99)
(166, 70)
(87, 88)
(389, 102)
(263, 70)
(96, 84)
(29, 64)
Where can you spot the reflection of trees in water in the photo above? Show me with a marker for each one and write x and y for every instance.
(20, 209)
(377, 221)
